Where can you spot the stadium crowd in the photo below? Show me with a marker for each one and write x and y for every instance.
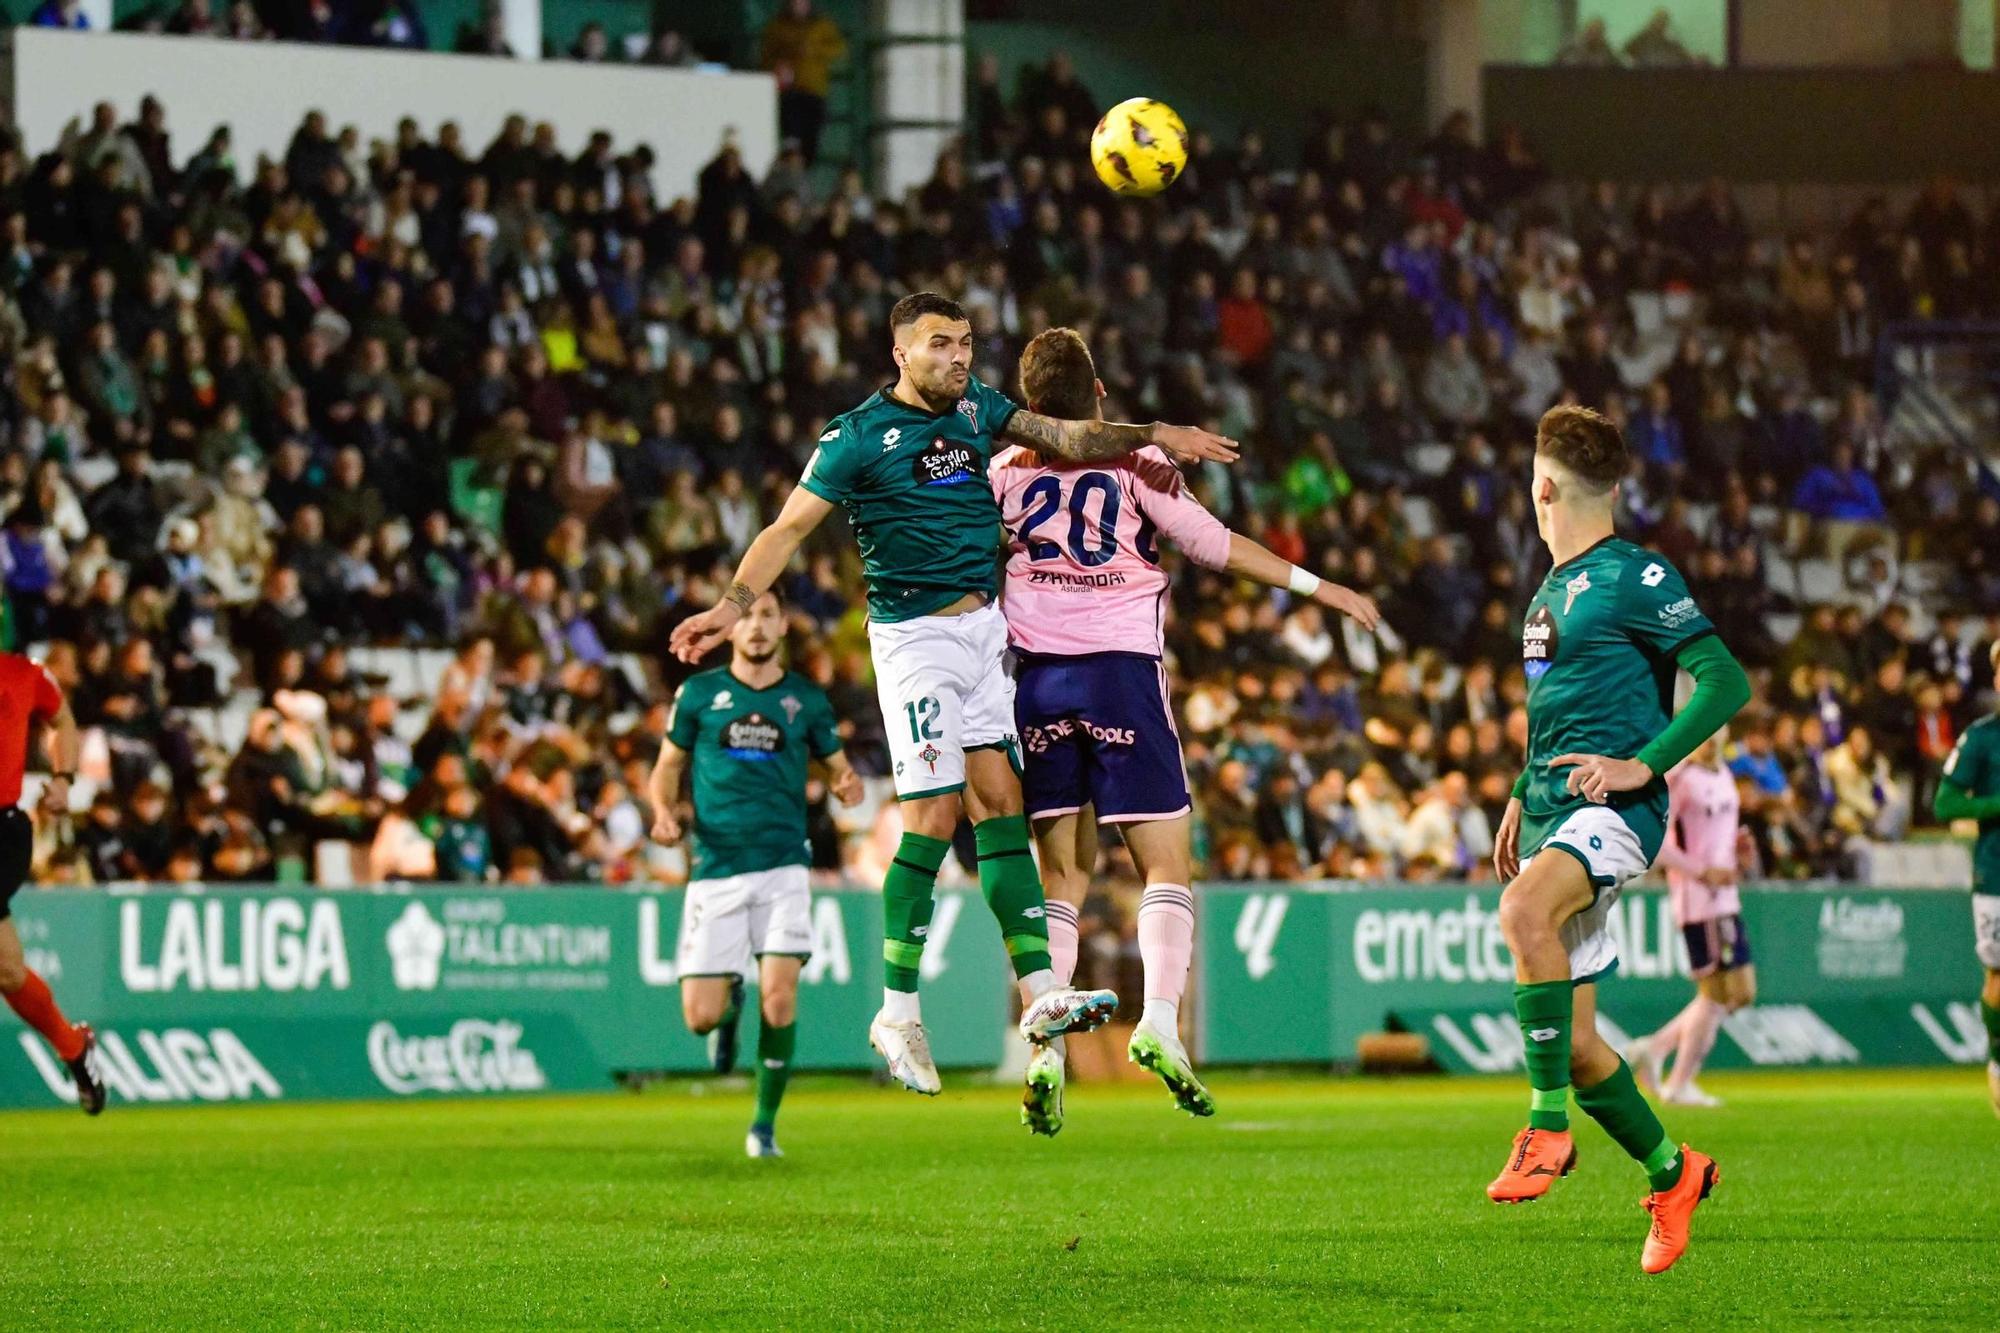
(260, 437)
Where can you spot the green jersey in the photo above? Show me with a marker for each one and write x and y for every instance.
(747, 752)
(1974, 766)
(1598, 648)
(914, 486)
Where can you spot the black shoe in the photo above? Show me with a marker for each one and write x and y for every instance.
(722, 1041)
(89, 1091)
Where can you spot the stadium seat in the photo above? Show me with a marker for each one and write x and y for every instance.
(478, 505)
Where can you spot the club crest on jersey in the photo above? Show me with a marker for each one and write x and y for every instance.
(791, 705)
(1577, 585)
(930, 754)
(970, 411)
(1538, 643)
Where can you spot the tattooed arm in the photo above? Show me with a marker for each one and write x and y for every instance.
(766, 558)
(1099, 441)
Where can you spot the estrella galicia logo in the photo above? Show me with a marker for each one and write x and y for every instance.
(945, 464)
(754, 737)
(1538, 643)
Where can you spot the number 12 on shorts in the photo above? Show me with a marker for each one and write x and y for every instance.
(923, 715)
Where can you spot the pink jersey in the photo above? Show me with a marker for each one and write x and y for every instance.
(1701, 835)
(1083, 560)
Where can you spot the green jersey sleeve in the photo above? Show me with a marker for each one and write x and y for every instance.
(1970, 766)
(1655, 608)
(835, 467)
(683, 725)
(992, 410)
(822, 728)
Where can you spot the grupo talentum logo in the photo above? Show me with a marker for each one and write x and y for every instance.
(474, 1056)
(416, 947)
(469, 944)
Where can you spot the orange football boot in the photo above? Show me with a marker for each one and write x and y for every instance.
(1673, 1209)
(1540, 1158)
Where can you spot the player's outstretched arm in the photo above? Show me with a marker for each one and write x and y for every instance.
(1720, 691)
(1101, 441)
(663, 789)
(766, 558)
(1253, 560)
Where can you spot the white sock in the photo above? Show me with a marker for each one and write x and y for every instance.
(1162, 1016)
(1037, 984)
(900, 1006)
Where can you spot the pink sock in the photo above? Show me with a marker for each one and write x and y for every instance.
(1662, 1043)
(1061, 920)
(1166, 940)
(1699, 1024)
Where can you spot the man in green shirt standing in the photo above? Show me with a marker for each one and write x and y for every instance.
(1605, 635)
(909, 467)
(1971, 790)
(747, 731)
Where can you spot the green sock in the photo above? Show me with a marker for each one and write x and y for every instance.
(1544, 1008)
(1014, 891)
(774, 1067)
(906, 907)
(1991, 1013)
(1619, 1106)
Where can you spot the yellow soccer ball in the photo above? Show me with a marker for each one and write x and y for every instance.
(1139, 147)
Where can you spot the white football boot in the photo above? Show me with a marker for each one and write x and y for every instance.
(1066, 1009)
(908, 1052)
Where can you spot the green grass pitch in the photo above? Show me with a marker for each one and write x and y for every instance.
(1859, 1199)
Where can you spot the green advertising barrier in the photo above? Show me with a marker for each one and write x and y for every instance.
(1845, 975)
(226, 994)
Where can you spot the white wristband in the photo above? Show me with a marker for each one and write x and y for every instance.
(1303, 582)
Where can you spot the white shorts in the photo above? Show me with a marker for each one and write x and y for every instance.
(727, 923)
(1986, 929)
(1610, 851)
(944, 689)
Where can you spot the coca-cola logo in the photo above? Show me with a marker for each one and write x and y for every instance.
(475, 1056)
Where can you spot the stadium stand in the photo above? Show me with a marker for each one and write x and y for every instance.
(353, 505)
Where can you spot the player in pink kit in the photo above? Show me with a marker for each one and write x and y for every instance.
(1701, 855)
(1085, 600)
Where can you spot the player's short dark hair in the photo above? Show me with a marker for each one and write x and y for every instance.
(1058, 378)
(918, 304)
(1585, 444)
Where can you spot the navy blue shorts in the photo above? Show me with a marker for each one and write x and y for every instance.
(1716, 946)
(1098, 731)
